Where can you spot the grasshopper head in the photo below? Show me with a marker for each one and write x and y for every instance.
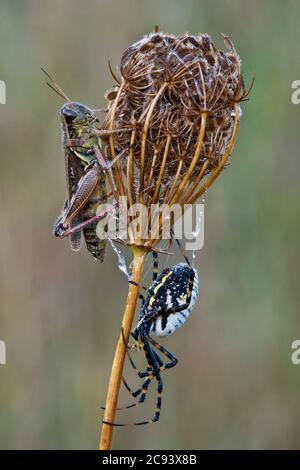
(76, 115)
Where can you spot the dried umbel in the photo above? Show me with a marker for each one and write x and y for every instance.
(179, 95)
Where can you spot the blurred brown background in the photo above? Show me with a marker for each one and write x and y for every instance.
(235, 385)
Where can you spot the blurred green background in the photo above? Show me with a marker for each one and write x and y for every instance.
(235, 385)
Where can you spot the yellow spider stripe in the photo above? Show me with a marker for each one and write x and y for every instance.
(158, 287)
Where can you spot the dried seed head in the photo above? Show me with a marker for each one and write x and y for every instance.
(180, 96)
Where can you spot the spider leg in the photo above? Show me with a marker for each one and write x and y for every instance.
(162, 366)
(147, 382)
(155, 265)
(143, 391)
(141, 375)
(137, 392)
(154, 276)
(155, 417)
(165, 352)
(149, 369)
(151, 357)
(144, 388)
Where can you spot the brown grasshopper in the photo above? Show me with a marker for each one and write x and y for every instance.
(86, 169)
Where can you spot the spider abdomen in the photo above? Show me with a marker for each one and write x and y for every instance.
(171, 299)
(167, 324)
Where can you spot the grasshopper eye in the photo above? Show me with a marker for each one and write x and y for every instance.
(69, 114)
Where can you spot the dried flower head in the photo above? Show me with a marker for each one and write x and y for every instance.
(179, 100)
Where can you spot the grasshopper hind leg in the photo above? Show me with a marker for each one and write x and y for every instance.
(59, 228)
(76, 238)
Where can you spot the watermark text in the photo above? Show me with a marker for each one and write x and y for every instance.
(2, 353)
(295, 357)
(295, 97)
(2, 92)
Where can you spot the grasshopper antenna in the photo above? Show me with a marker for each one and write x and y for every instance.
(113, 73)
(100, 110)
(55, 87)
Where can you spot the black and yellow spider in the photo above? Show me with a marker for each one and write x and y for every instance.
(168, 304)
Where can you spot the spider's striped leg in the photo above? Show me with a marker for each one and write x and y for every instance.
(154, 277)
(141, 391)
(144, 388)
(152, 361)
(155, 265)
(156, 363)
(149, 369)
(141, 375)
(135, 393)
(179, 246)
(147, 373)
(165, 352)
(156, 416)
(146, 385)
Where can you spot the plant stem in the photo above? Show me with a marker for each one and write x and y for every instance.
(118, 363)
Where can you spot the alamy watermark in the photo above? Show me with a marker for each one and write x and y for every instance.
(2, 353)
(2, 92)
(295, 97)
(159, 221)
(295, 357)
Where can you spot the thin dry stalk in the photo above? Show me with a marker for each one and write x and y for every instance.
(118, 362)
